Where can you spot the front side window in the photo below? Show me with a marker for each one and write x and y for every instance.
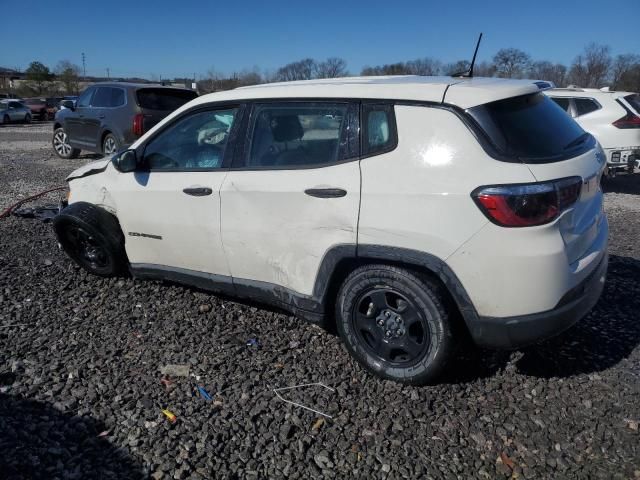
(195, 142)
(585, 105)
(300, 135)
(85, 98)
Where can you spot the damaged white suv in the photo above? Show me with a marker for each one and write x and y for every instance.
(405, 211)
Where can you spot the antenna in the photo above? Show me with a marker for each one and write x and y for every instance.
(469, 72)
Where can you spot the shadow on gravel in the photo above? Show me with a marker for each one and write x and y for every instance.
(605, 337)
(37, 441)
(623, 183)
(601, 340)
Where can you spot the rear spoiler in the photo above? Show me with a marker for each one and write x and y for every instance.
(544, 85)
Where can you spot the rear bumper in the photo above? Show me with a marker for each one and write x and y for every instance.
(522, 330)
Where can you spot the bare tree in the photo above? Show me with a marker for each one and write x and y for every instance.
(424, 66)
(511, 62)
(623, 70)
(456, 67)
(484, 69)
(69, 74)
(552, 72)
(332, 67)
(300, 70)
(591, 68)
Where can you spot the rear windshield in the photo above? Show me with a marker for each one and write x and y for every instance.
(164, 98)
(634, 101)
(531, 128)
(32, 101)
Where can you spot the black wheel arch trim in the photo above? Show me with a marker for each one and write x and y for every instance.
(364, 253)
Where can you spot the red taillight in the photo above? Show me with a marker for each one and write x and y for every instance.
(630, 120)
(527, 205)
(138, 124)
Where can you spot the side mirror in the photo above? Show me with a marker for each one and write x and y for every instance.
(125, 161)
(68, 104)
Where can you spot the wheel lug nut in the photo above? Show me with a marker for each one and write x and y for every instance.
(380, 322)
(388, 333)
(398, 332)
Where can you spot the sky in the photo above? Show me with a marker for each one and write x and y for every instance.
(168, 39)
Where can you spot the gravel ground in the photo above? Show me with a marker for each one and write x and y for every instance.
(81, 387)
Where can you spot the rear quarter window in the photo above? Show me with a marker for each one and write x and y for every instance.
(634, 101)
(163, 98)
(531, 128)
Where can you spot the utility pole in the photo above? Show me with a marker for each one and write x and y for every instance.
(108, 76)
(84, 67)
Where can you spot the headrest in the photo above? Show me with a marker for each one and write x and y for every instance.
(286, 128)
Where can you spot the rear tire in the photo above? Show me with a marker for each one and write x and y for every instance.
(109, 144)
(6, 120)
(395, 324)
(92, 237)
(61, 146)
(27, 118)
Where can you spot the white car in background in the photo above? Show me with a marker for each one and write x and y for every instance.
(612, 117)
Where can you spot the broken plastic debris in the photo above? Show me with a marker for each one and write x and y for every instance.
(204, 394)
(103, 434)
(278, 390)
(252, 342)
(175, 370)
(170, 416)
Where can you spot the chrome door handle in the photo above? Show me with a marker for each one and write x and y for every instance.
(326, 192)
(198, 191)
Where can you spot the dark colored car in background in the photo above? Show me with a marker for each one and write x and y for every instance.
(110, 116)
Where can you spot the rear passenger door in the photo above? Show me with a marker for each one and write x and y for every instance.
(293, 192)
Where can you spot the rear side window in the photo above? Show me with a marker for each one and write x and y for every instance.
(531, 128)
(117, 97)
(301, 135)
(585, 105)
(562, 102)
(379, 134)
(165, 99)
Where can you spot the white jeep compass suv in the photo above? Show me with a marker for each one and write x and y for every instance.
(407, 212)
(612, 117)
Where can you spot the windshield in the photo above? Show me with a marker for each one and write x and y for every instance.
(164, 98)
(531, 128)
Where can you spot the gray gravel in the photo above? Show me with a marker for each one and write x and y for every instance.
(81, 387)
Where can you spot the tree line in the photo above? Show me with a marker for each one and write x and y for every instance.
(594, 67)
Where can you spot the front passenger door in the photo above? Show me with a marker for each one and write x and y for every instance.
(170, 209)
(74, 121)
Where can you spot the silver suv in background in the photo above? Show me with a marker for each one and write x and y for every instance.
(111, 116)
(612, 117)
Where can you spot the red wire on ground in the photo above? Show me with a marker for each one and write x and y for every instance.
(8, 211)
